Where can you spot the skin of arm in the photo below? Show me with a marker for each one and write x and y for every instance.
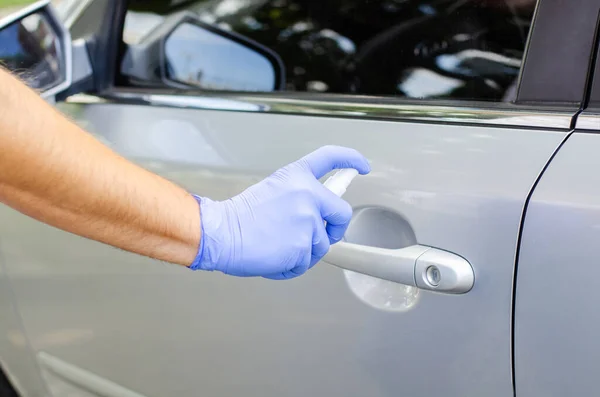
(53, 171)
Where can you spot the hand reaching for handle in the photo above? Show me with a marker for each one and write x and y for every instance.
(275, 229)
(69, 180)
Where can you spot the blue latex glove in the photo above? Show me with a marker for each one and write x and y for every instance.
(275, 228)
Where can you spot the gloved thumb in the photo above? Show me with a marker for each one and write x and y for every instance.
(329, 158)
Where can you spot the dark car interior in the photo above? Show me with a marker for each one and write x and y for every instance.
(440, 49)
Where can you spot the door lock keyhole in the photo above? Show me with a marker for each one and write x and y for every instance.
(433, 276)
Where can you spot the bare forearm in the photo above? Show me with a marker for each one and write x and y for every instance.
(53, 171)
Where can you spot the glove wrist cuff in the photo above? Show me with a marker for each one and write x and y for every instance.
(207, 256)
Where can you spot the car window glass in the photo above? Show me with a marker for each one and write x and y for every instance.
(216, 67)
(426, 49)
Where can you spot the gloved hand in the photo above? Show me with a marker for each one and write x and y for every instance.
(275, 228)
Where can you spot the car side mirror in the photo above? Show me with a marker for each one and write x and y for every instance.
(185, 52)
(37, 47)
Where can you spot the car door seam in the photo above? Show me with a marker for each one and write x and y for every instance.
(517, 252)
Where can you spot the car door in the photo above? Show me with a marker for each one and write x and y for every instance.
(556, 325)
(458, 123)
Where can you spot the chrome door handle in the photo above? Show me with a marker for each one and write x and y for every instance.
(417, 265)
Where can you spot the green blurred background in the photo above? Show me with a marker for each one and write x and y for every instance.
(9, 6)
(15, 3)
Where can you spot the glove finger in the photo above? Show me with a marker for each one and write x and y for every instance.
(281, 276)
(336, 212)
(299, 269)
(287, 275)
(329, 158)
(320, 245)
(303, 264)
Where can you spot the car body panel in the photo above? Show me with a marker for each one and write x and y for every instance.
(556, 312)
(16, 356)
(161, 330)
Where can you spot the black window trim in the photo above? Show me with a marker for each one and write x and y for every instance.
(559, 53)
(589, 119)
(354, 107)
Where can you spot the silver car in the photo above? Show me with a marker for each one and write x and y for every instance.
(472, 263)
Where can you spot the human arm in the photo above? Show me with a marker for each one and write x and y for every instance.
(53, 171)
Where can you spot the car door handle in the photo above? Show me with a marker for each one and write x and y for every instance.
(417, 265)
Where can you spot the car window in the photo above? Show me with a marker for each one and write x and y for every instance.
(426, 49)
